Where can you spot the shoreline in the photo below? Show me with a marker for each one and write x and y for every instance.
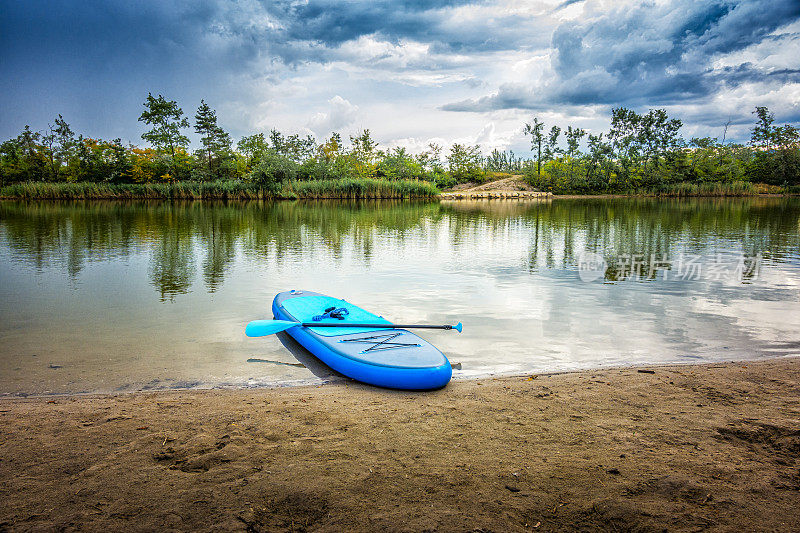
(348, 189)
(437, 198)
(335, 379)
(682, 447)
(447, 196)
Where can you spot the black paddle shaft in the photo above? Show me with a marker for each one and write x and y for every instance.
(387, 326)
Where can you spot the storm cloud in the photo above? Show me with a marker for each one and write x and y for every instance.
(411, 71)
(651, 54)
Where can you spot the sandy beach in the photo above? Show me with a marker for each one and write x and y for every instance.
(681, 448)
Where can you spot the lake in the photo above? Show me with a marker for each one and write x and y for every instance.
(125, 296)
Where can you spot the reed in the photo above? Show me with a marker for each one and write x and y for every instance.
(733, 188)
(223, 190)
(365, 188)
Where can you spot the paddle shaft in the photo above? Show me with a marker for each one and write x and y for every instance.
(387, 326)
(261, 328)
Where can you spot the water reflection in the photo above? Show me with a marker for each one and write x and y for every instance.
(180, 236)
(646, 227)
(177, 280)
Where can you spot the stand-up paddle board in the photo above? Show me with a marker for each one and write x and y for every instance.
(386, 357)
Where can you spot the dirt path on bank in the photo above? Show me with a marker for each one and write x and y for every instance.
(511, 187)
(513, 183)
(687, 448)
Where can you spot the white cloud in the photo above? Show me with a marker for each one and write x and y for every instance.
(340, 114)
(774, 53)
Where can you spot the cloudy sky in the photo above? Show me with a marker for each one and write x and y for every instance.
(411, 71)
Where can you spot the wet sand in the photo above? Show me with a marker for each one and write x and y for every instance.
(689, 448)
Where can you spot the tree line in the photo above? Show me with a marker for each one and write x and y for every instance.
(59, 155)
(639, 152)
(646, 152)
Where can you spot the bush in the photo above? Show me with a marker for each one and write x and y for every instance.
(398, 165)
(272, 170)
(443, 180)
(466, 164)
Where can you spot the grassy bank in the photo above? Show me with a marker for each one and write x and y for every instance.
(680, 189)
(734, 188)
(718, 189)
(223, 190)
(346, 188)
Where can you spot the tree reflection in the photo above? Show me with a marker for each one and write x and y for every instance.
(559, 230)
(172, 263)
(175, 236)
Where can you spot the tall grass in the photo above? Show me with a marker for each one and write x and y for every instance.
(225, 190)
(155, 191)
(733, 188)
(354, 188)
(345, 188)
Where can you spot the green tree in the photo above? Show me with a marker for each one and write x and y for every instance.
(498, 161)
(398, 164)
(364, 154)
(65, 141)
(300, 149)
(272, 170)
(598, 171)
(536, 130)
(253, 147)
(762, 167)
(431, 159)
(120, 162)
(49, 149)
(552, 150)
(331, 148)
(574, 136)
(216, 142)
(167, 121)
(465, 163)
(777, 158)
(293, 146)
(762, 132)
(624, 136)
(277, 141)
(21, 158)
(365, 146)
(658, 135)
(59, 144)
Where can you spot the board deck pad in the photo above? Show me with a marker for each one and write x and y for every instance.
(306, 308)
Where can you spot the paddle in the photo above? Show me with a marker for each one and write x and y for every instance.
(260, 328)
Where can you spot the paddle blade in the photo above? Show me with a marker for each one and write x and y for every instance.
(260, 328)
(457, 327)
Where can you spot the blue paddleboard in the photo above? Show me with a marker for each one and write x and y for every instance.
(394, 358)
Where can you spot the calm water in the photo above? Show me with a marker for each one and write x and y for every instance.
(128, 296)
